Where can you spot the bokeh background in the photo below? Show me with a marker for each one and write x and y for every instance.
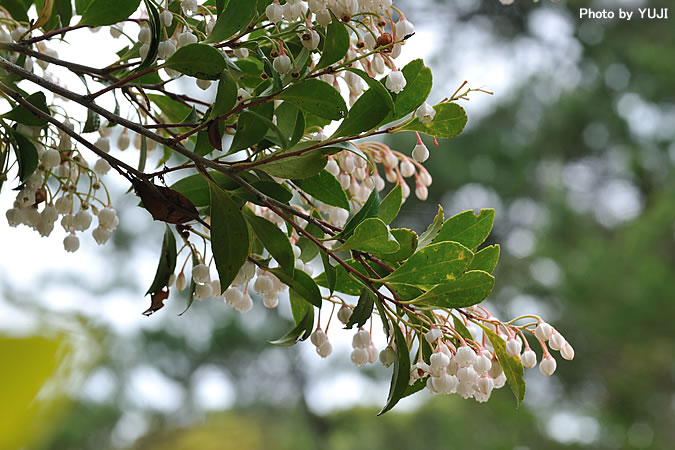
(575, 151)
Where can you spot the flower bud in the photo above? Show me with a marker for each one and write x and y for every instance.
(567, 351)
(186, 38)
(145, 35)
(274, 12)
(344, 314)
(71, 243)
(420, 153)
(432, 335)
(318, 337)
(325, 349)
(387, 356)
(101, 235)
(543, 331)
(548, 365)
(557, 341)
(529, 358)
(201, 273)
(395, 82)
(123, 141)
(50, 158)
(282, 64)
(166, 17)
(513, 346)
(203, 291)
(359, 356)
(181, 282)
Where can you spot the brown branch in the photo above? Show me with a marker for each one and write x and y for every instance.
(52, 34)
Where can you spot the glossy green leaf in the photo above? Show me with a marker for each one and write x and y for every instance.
(197, 60)
(300, 332)
(18, 9)
(335, 44)
(250, 129)
(391, 205)
(229, 236)
(226, 97)
(468, 290)
(365, 114)
(173, 111)
(407, 241)
(92, 123)
(511, 365)
(308, 249)
(236, 17)
(330, 272)
(291, 123)
(62, 12)
(434, 264)
(449, 121)
(401, 373)
(274, 240)
(299, 307)
(298, 167)
(317, 97)
(26, 155)
(417, 88)
(371, 235)
(363, 309)
(21, 115)
(302, 284)
(467, 228)
(203, 145)
(432, 230)
(326, 188)
(193, 285)
(81, 6)
(343, 281)
(369, 209)
(105, 12)
(486, 259)
(167, 262)
(376, 86)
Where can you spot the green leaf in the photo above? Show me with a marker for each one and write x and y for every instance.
(156, 36)
(197, 60)
(193, 285)
(365, 114)
(26, 156)
(407, 241)
(371, 235)
(250, 129)
(401, 374)
(81, 6)
(391, 205)
(203, 145)
(316, 97)
(299, 307)
(335, 45)
(486, 259)
(467, 228)
(303, 166)
(343, 281)
(291, 123)
(417, 88)
(376, 86)
(434, 264)
(363, 309)
(326, 188)
(229, 236)
(468, 290)
(432, 231)
(449, 121)
(330, 272)
(105, 12)
(167, 262)
(302, 284)
(62, 12)
(173, 111)
(300, 332)
(226, 97)
(511, 365)
(368, 210)
(237, 16)
(18, 9)
(274, 240)
(20, 114)
(92, 123)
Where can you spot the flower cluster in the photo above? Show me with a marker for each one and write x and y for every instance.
(63, 186)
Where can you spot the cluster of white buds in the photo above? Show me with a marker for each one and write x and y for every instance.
(65, 188)
(269, 286)
(321, 342)
(463, 370)
(364, 351)
(359, 175)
